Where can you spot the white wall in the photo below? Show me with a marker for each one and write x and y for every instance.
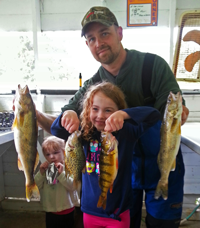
(67, 14)
(15, 15)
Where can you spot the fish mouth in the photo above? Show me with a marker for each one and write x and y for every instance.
(111, 150)
(71, 147)
(24, 90)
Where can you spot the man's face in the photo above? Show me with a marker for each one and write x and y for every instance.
(104, 42)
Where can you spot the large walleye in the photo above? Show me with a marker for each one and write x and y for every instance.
(25, 138)
(108, 164)
(170, 142)
(74, 157)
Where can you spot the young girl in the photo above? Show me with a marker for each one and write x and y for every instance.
(58, 197)
(104, 109)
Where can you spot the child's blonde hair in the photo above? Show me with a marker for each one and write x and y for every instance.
(53, 143)
(108, 89)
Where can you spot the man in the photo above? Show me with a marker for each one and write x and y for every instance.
(124, 68)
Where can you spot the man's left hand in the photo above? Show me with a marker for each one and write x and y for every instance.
(184, 115)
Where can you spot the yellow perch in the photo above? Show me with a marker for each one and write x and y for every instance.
(25, 138)
(74, 157)
(108, 164)
(170, 142)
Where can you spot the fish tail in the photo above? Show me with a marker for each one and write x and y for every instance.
(161, 189)
(32, 191)
(14, 123)
(102, 202)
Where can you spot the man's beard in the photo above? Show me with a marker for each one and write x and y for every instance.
(109, 58)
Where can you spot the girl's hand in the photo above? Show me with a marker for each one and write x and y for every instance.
(115, 121)
(60, 167)
(43, 167)
(70, 121)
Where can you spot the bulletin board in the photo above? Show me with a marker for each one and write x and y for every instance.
(142, 12)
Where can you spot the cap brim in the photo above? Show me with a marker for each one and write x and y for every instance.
(106, 23)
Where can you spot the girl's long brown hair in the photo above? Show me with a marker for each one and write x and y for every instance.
(108, 89)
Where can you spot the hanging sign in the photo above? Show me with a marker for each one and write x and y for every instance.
(142, 12)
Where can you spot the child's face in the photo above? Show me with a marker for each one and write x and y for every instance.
(54, 156)
(101, 109)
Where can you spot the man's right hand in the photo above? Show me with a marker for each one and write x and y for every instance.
(70, 121)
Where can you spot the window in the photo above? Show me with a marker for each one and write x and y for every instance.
(62, 55)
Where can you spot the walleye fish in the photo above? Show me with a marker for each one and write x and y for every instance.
(108, 164)
(25, 137)
(74, 157)
(170, 142)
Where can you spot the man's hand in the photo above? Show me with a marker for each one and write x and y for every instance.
(70, 121)
(184, 115)
(115, 121)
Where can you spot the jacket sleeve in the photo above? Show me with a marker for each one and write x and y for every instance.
(163, 81)
(39, 179)
(74, 102)
(143, 116)
(58, 130)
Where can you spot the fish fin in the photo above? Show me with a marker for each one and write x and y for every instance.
(102, 202)
(64, 154)
(161, 189)
(111, 188)
(36, 160)
(14, 123)
(20, 166)
(173, 165)
(67, 171)
(83, 170)
(179, 130)
(32, 191)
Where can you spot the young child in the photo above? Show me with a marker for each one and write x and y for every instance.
(104, 109)
(58, 197)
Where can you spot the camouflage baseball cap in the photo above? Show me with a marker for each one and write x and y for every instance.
(98, 14)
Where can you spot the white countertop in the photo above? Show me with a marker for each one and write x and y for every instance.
(191, 135)
(6, 136)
